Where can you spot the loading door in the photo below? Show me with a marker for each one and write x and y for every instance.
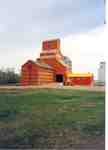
(59, 78)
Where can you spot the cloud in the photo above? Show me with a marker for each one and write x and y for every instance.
(86, 50)
(50, 15)
(24, 24)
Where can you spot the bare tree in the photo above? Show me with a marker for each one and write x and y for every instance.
(8, 76)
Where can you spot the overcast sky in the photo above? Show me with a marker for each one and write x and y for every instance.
(78, 23)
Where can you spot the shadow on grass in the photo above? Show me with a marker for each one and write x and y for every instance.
(8, 115)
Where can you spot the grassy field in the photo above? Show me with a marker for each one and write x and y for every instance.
(49, 118)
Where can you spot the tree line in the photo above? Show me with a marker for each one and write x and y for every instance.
(9, 76)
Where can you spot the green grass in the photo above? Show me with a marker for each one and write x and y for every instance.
(28, 110)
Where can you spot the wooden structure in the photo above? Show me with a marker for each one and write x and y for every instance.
(34, 73)
(80, 79)
(50, 67)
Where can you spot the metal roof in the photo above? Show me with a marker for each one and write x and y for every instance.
(62, 62)
(43, 65)
(80, 74)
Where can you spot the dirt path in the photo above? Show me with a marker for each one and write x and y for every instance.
(55, 86)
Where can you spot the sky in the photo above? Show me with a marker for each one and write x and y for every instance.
(24, 24)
